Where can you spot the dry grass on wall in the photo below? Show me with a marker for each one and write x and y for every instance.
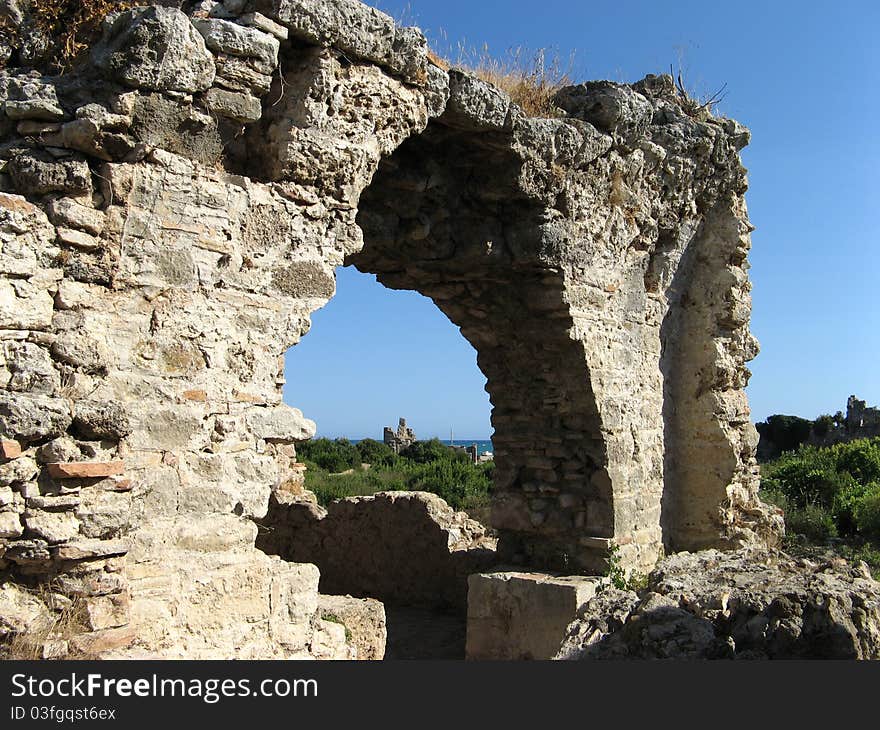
(71, 26)
(48, 635)
(531, 79)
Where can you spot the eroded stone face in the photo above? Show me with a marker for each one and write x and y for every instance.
(171, 216)
(747, 604)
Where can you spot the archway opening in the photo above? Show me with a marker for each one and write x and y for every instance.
(446, 215)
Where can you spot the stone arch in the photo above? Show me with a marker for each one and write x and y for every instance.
(166, 237)
(445, 215)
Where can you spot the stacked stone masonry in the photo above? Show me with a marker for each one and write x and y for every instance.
(172, 212)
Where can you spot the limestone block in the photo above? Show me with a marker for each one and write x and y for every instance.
(38, 173)
(33, 417)
(267, 25)
(222, 36)
(10, 525)
(94, 644)
(280, 423)
(22, 469)
(522, 615)
(101, 419)
(475, 103)
(155, 48)
(19, 610)
(610, 107)
(107, 612)
(31, 368)
(104, 513)
(67, 212)
(294, 601)
(30, 98)
(88, 549)
(356, 29)
(236, 73)
(364, 622)
(329, 642)
(53, 527)
(242, 108)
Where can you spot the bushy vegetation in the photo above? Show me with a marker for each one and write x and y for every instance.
(830, 494)
(339, 469)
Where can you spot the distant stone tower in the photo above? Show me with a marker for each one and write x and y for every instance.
(400, 439)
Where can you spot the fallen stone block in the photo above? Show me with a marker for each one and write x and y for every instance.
(364, 622)
(523, 615)
(747, 604)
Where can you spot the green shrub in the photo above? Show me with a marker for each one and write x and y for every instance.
(460, 483)
(860, 458)
(425, 452)
(820, 488)
(428, 466)
(811, 521)
(822, 425)
(332, 456)
(375, 453)
(867, 512)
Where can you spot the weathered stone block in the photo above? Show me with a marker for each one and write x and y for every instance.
(242, 108)
(223, 36)
(38, 173)
(53, 527)
(280, 423)
(90, 549)
(155, 48)
(10, 525)
(522, 615)
(33, 417)
(475, 104)
(364, 622)
(67, 212)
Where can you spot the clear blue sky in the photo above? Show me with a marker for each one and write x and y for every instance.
(802, 75)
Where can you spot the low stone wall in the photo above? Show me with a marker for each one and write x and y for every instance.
(406, 548)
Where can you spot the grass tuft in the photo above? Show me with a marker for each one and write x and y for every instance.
(531, 79)
(63, 620)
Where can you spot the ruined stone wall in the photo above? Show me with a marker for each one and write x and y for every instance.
(404, 548)
(172, 212)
